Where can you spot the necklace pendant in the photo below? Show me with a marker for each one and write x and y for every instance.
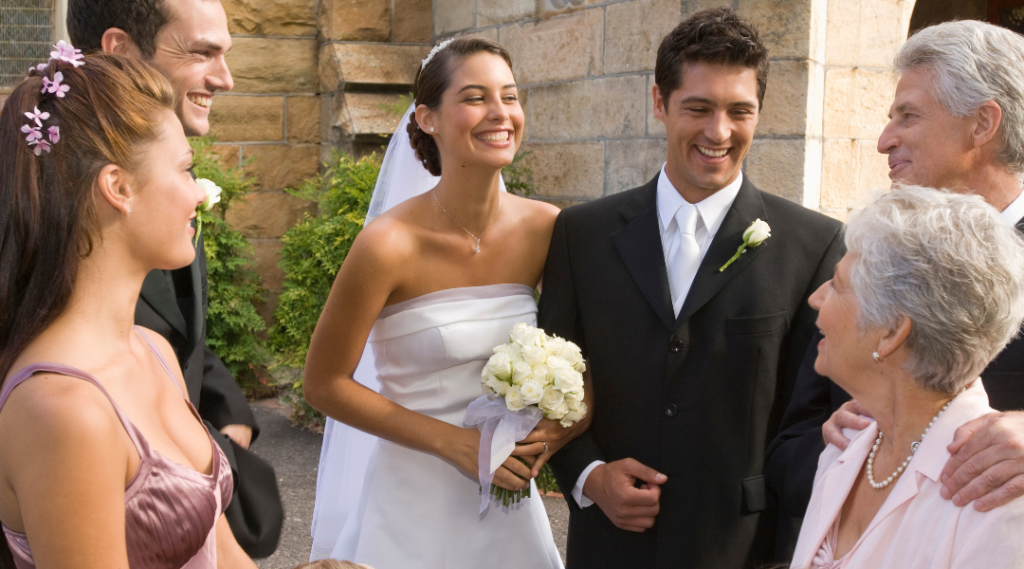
(477, 248)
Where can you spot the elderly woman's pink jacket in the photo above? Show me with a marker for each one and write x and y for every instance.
(916, 527)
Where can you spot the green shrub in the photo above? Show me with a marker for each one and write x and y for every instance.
(313, 252)
(233, 326)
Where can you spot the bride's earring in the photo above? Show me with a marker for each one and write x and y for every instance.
(876, 357)
(431, 129)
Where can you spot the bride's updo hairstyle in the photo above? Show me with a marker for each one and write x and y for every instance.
(433, 80)
(108, 114)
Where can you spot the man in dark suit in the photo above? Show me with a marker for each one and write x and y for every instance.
(980, 151)
(186, 40)
(691, 357)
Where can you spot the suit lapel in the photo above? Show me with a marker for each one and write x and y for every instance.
(747, 207)
(639, 244)
(198, 320)
(157, 292)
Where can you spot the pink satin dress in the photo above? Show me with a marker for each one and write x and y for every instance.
(170, 510)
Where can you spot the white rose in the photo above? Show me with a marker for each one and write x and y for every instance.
(497, 385)
(554, 346)
(521, 371)
(532, 337)
(557, 413)
(574, 415)
(552, 399)
(532, 391)
(573, 399)
(568, 380)
(534, 355)
(500, 366)
(212, 193)
(542, 374)
(514, 399)
(506, 349)
(556, 363)
(516, 335)
(757, 233)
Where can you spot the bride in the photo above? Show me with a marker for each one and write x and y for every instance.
(429, 288)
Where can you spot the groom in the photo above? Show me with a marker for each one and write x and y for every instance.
(692, 359)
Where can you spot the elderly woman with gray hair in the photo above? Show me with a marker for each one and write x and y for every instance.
(929, 292)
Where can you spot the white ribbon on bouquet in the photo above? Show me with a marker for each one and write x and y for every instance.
(500, 430)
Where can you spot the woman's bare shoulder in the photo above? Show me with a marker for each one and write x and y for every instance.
(539, 214)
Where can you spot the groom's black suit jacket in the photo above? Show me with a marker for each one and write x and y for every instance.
(173, 304)
(698, 396)
(793, 456)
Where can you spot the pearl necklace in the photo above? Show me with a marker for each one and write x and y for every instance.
(913, 449)
(433, 193)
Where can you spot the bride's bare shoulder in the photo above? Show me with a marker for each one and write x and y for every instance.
(388, 239)
(539, 214)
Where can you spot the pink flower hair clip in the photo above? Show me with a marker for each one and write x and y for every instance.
(64, 51)
(34, 134)
(55, 86)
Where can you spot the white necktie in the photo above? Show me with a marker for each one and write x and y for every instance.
(684, 259)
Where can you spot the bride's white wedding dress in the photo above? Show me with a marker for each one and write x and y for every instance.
(417, 511)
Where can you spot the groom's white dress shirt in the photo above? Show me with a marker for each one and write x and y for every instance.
(1015, 211)
(676, 219)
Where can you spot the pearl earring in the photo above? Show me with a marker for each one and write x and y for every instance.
(876, 357)
(431, 129)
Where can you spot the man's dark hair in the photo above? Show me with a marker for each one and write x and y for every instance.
(141, 19)
(718, 36)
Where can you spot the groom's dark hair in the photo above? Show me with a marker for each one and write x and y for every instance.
(88, 20)
(718, 36)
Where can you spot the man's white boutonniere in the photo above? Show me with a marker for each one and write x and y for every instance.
(212, 198)
(752, 237)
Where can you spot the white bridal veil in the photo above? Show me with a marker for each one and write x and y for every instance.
(346, 451)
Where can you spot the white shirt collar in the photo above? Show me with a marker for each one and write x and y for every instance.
(1015, 211)
(712, 209)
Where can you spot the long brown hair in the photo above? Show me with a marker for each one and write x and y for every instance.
(47, 202)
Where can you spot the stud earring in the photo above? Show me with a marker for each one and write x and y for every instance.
(876, 357)
(431, 129)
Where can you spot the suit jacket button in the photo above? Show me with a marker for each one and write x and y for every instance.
(675, 346)
(671, 410)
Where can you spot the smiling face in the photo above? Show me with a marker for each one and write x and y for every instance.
(710, 120)
(190, 52)
(845, 350)
(479, 120)
(926, 145)
(165, 201)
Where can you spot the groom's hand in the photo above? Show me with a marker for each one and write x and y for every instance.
(613, 487)
(987, 462)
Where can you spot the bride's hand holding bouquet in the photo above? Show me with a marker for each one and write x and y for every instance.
(533, 395)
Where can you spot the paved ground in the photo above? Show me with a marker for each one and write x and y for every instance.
(295, 454)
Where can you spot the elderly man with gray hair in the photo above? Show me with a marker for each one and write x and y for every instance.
(957, 122)
(931, 289)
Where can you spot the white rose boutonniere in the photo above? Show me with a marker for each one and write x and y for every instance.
(754, 235)
(212, 198)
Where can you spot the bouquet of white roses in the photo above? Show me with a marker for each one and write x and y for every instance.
(536, 369)
(532, 376)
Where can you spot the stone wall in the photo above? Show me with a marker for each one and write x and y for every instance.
(586, 71)
(310, 76)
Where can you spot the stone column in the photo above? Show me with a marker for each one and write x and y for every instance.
(369, 53)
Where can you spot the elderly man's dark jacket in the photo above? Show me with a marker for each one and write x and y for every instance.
(793, 456)
(173, 303)
(697, 397)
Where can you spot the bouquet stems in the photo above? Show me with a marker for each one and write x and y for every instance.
(507, 496)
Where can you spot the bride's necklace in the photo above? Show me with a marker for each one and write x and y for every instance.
(913, 449)
(475, 238)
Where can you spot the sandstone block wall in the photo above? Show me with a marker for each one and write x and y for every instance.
(310, 76)
(585, 69)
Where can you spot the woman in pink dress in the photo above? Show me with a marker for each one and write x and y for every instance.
(104, 463)
(930, 290)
